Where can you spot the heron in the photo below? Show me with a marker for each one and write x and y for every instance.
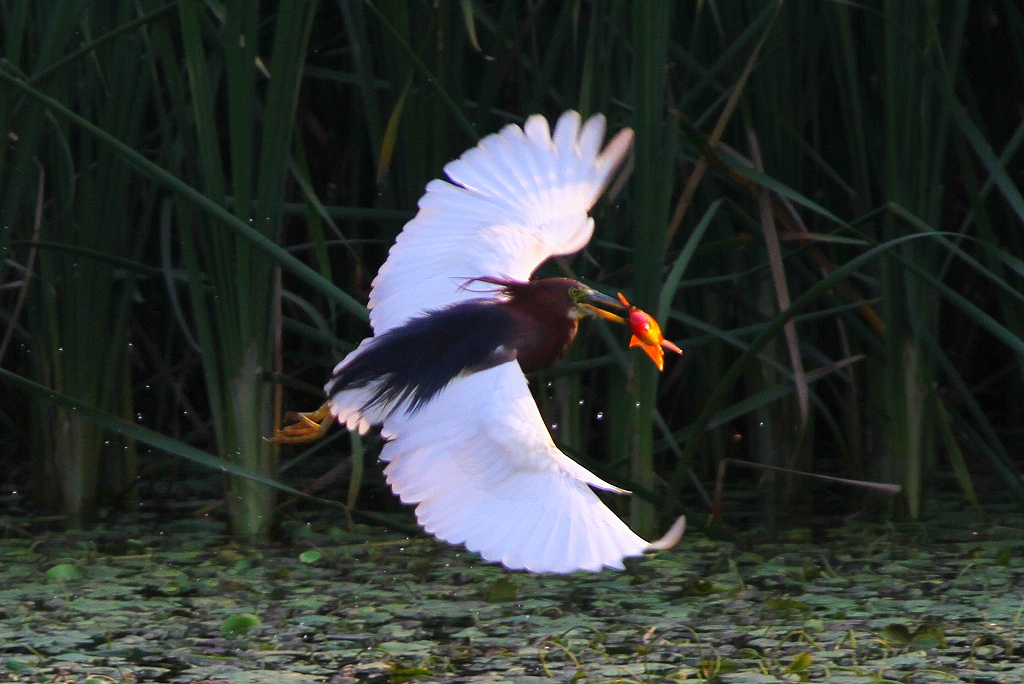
(458, 324)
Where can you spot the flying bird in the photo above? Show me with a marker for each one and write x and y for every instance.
(457, 324)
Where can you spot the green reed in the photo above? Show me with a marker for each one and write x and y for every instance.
(823, 212)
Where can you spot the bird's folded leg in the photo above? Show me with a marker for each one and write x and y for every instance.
(304, 427)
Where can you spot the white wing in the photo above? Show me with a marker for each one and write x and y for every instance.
(517, 198)
(480, 466)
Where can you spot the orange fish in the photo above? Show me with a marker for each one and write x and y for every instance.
(647, 334)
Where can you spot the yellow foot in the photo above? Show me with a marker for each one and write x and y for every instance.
(304, 427)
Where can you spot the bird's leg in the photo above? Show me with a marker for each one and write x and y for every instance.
(305, 427)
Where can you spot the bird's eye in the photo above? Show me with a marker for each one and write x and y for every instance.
(575, 292)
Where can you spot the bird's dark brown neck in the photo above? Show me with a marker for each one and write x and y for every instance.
(544, 343)
(544, 322)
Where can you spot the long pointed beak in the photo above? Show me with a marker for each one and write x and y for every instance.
(594, 299)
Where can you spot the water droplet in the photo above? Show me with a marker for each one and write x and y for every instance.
(599, 416)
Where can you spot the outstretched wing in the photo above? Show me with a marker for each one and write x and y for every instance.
(482, 470)
(517, 198)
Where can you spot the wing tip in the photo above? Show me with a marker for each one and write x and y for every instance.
(671, 537)
(615, 151)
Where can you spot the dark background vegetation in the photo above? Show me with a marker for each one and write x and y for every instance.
(824, 211)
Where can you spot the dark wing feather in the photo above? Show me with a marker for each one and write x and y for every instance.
(410, 364)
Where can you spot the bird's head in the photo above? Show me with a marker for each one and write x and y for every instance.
(552, 299)
(586, 301)
(557, 298)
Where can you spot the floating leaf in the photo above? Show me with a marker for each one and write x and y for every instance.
(239, 624)
(785, 607)
(896, 634)
(814, 625)
(927, 636)
(64, 572)
(309, 556)
(502, 590)
(16, 666)
(400, 673)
